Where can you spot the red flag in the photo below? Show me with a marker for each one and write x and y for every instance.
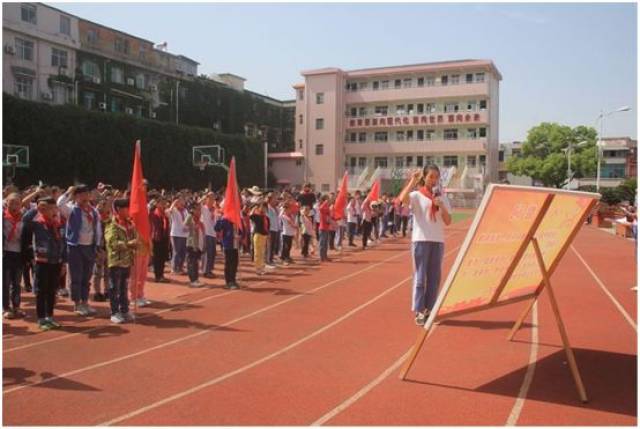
(374, 193)
(231, 210)
(138, 201)
(341, 199)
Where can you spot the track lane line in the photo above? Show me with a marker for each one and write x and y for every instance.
(203, 332)
(615, 302)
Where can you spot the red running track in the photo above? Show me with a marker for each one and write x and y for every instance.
(314, 344)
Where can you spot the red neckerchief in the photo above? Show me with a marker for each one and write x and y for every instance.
(124, 223)
(89, 212)
(14, 220)
(104, 216)
(162, 215)
(51, 224)
(434, 208)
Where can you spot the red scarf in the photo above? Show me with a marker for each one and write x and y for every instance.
(434, 208)
(104, 216)
(124, 223)
(89, 212)
(14, 220)
(162, 215)
(52, 224)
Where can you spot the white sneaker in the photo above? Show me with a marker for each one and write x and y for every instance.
(195, 284)
(117, 318)
(270, 267)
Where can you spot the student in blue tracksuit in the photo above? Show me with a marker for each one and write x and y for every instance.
(230, 244)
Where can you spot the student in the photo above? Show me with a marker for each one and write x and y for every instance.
(48, 245)
(274, 228)
(352, 220)
(177, 214)
(367, 215)
(307, 229)
(121, 239)
(230, 242)
(160, 233)
(195, 242)
(101, 269)
(209, 217)
(325, 214)
(289, 230)
(83, 236)
(12, 257)
(431, 212)
(260, 224)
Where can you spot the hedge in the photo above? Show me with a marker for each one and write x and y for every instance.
(69, 144)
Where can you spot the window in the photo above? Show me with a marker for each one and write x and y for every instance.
(469, 78)
(471, 161)
(299, 144)
(93, 35)
(352, 137)
(24, 49)
(410, 110)
(117, 105)
(431, 108)
(353, 162)
(399, 161)
(430, 134)
(407, 83)
(455, 79)
(380, 161)
(410, 135)
(140, 81)
(65, 25)
(362, 162)
(444, 80)
(419, 161)
(376, 85)
(320, 98)
(319, 124)
(471, 106)
(354, 112)
(362, 111)
(501, 156)
(381, 110)
(60, 94)
(381, 136)
(301, 94)
(89, 100)
(479, 77)
(400, 136)
(325, 187)
(420, 82)
(89, 68)
(400, 109)
(117, 75)
(28, 13)
(352, 86)
(24, 87)
(420, 108)
(58, 58)
(483, 132)
(362, 85)
(319, 149)
(384, 84)
(428, 160)
(450, 107)
(420, 134)
(451, 134)
(121, 45)
(300, 119)
(483, 104)
(483, 160)
(409, 161)
(472, 133)
(362, 137)
(397, 83)
(143, 52)
(450, 161)
(431, 81)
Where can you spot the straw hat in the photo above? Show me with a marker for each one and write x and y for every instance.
(255, 190)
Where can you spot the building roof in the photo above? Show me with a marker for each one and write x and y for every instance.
(298, 85)
(188, 59)
(232, 75)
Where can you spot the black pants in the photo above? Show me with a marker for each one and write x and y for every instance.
(273, 245)
(118, 289)
(160, 257)
(230, 265)
(11, 273)
(287, 240)
(332, 240)
(366, 231)
(193, 263)
(306, 239)
(26, 273)
(405, 222)
(375, 227)
(48, 280)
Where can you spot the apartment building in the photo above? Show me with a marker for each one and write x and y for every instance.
(39, 52)
(388, 119)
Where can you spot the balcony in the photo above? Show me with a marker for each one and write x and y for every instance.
(432, 119)
(417, 147)
(428, 92)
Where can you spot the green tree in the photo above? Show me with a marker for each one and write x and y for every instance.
(544, 154)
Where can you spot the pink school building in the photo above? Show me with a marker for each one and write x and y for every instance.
(378, 122)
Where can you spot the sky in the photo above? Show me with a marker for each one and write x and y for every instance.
(560, 62)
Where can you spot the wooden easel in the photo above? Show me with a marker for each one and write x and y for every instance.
(422, 335)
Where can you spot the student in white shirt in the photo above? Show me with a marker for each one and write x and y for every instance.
(209, 214)
(431, 212)
(179, 232)
(352, 220)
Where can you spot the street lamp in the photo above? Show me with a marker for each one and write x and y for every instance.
(600, 143)
(568, 151)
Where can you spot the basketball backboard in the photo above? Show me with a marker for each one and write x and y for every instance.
(203, 156)
(15, 156)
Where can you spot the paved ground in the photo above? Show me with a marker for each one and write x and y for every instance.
(315, 344)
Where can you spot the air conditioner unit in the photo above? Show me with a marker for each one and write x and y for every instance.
(9, 49)
(102, 106)
(131, 81)
(128, 110)
(152, 115)
(47, 96)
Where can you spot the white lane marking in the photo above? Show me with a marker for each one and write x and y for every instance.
(257, 362)
(199, 333)
(528, 377)
(606, 291)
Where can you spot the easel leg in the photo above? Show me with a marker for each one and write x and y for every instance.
(563, 333)
(520, 320)
(414, 353)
